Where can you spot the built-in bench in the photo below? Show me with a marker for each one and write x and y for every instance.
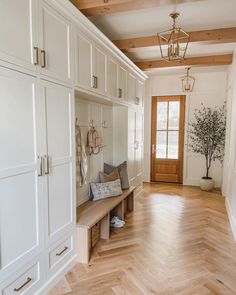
(93, 220)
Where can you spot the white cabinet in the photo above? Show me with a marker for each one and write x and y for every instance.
(55, 43)
(122, 83)
(18, 36)
(99, 69)
(59, 157)
(139, 92)
(84, 51)
(131, 89)
(37, 204)
(112, 78)
(129, 146)
(21, 189)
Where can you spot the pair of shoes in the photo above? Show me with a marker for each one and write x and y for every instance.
(116, 222)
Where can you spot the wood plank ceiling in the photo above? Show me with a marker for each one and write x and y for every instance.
(211, 36)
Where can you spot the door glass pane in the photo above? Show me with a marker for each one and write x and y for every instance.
(162, 109)
(173, 144)
(161, 144)
(173, 123)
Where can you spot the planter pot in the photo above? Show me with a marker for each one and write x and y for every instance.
(207, 184)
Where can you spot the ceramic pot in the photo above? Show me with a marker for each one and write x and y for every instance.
(207, 184)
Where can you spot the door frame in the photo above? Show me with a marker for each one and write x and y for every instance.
(181, 138)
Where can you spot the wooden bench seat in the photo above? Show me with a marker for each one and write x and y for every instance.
(93, 220)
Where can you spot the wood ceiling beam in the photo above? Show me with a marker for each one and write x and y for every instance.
(216, 36)
(200, 61)
(102, 7)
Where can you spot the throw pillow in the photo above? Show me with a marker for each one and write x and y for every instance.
(109, 177)
(105, 190)
(122, 169)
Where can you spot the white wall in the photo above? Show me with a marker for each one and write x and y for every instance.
(229, 179)
(210, 89)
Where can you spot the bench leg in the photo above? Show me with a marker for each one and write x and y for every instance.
(105, 227)
(120, 210)
(83, 245)
(130, 202)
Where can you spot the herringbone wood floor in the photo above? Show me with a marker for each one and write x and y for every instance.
(177, 242)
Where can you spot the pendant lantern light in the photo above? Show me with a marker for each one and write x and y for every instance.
(188, 82)
(171, 40)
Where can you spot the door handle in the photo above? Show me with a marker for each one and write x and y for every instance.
(119, 93)
(43, 56)
(40, 166)
(23, 285)
(36, 56)
(153, 149)
(95, 82)
(46, 170)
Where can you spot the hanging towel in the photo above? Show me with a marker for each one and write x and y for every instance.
(81, 158)
(94, 141)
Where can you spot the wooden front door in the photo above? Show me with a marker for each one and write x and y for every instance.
(167, 138)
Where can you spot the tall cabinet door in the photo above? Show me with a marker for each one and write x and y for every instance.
(131, 89)
(84, 49)
(18, 32)
(20, 185)
(55, 35)
(58, 161)
(122, 82)
(139, 94)
(131, 145)
(112, 78)
(139, 146)
(99, 69)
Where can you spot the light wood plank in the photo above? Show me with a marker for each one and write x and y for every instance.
(199, 61)
(217, 36)
(102, 7)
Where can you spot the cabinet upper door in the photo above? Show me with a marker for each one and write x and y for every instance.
(112, 77)
(55, 44)
(20, 186)
(122, 82)
(140, 90)
(18, 32)
(99, 69)
(59, 106)
(84, 49)
(131, 89)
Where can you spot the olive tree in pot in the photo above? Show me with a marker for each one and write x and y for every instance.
(207, 138)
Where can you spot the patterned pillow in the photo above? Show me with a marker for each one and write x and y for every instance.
(109, 177)
(105, 190)
(122, 169)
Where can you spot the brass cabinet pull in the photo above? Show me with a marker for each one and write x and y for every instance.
(43, 55)
(36, 56)
(46, 158)
(137, 100)
(119, 92)
(60, 253)
(22, 286)
(40, 166)
(95, 82)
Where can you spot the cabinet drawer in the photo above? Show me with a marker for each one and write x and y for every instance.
(95, 234)
(24, 282)
(58, 253)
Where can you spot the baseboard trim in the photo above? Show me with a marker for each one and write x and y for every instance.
(231, 218)
(45, 289)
